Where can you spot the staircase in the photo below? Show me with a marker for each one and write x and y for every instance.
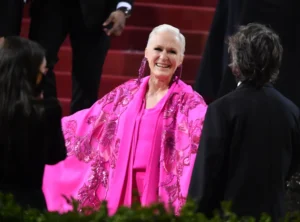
(192, 17)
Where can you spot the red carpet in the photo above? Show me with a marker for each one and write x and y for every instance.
(192, 17)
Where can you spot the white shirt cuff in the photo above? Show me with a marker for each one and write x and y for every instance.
(124, 4)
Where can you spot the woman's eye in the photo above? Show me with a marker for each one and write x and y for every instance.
(157, 49)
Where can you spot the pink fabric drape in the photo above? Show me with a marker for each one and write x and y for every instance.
(100, 156)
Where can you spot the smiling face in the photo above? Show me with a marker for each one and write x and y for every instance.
(164, 54)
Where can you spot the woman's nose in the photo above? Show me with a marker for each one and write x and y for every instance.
(163, 54)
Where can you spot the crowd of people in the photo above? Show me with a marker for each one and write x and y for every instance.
(154, 134)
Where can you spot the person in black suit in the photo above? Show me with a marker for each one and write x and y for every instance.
(215, 79)
(30, 126)
(250, 141)
(11, 12)
(89, 23)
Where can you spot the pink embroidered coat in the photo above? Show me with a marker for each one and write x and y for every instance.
(101, 151)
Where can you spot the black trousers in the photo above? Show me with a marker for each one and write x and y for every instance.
(51, 22)
(211, 82)
(11, 12)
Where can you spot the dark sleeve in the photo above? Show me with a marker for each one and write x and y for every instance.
(54, 142)
(128, 1)
(295, 164)
(207, 182)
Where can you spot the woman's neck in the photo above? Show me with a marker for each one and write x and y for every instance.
(157, 89)
(156, 86)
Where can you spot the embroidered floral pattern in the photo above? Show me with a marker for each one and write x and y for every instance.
(100, 144)
(176, 155)
(87, 194)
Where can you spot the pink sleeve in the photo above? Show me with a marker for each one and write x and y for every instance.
(195, 120)
(183, 121)
(68, 176)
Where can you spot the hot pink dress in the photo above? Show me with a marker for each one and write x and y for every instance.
(144, 141)
(117, 146)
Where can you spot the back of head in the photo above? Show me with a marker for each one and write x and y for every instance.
(20, 61)
(256, 54)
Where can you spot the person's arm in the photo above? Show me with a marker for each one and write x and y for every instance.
(118, 18)
(206, 187)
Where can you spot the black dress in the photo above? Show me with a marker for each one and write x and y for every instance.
(37, 140)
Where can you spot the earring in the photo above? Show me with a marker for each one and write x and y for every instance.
(177, 74)
(142, 70)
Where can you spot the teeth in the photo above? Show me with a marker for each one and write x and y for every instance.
(162, 66)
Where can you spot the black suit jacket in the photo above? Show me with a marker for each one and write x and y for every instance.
(249, 147)
(95, 12)
(215, 78)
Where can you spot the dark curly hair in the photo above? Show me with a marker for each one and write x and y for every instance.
(256, 54)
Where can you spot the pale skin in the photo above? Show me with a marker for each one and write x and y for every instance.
(164, 55)
(118, 19)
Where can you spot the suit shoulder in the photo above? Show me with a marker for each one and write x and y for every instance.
(287, 102)
(223, 101)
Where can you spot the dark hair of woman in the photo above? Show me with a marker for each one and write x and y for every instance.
(256, 54)
(20, 61)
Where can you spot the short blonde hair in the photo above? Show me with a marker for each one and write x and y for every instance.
(166, 27)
